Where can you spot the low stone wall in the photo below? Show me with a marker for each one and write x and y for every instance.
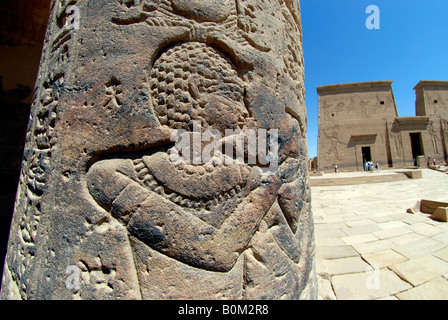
(368, 178)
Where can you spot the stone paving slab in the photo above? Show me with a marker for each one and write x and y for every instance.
(382, 218)
(420, 248)
(420, 270)
(323, 225)
(394, 224)
(329, 242)
(360, 223)
(368, 285)
(330, 233)
(442, 254)
(336, 252)
(346, 265)
(436, 289)
(406, 239)
(369, 247)
(361, 229)
(426, 229)
(391, 232)
(359, 238)
(442, 237)
(386, 258)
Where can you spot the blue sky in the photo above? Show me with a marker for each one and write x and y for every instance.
(411, 45)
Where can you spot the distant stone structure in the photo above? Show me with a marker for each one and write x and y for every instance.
(359, 122)
(102, 210)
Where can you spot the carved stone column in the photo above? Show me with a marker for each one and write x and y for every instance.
(103, 211)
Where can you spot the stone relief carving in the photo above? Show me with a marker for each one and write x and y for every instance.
(434, 137)
(340, 105)
(445, 126)
(326, 110)
(145, 226)
(241, 21)
(352, 104)
(189, 82)
(364, 111)
(396, 137)
(334, 143)
(41, 140)
(194, 213)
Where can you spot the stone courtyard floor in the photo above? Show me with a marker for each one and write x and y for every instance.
(368, 247)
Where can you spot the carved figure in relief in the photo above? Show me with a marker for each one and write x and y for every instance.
(340, 105)
(326, 110)
(364, 111)
(396, 137)
(189, 82)
(334, 142)
(434, 138)
(445, 126)
(351, 105)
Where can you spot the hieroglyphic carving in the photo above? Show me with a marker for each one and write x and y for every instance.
(40, 142)
(64, 35)
(114, 97)
(32, 186)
